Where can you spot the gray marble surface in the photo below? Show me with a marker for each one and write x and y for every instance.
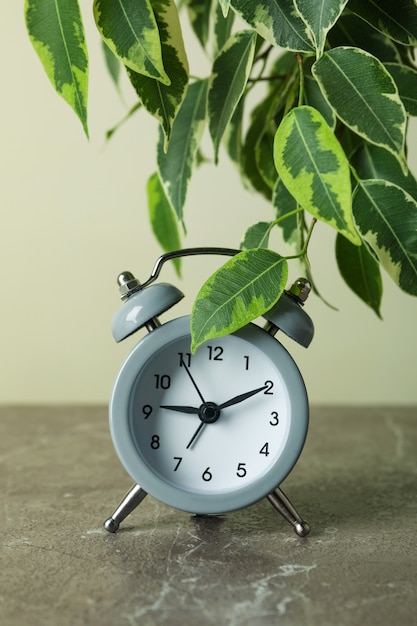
(356, 484)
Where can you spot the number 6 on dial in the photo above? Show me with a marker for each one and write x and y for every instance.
(217, 430)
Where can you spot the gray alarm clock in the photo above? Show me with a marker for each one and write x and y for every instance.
(217, 430)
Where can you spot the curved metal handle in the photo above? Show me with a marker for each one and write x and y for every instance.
(175, 254)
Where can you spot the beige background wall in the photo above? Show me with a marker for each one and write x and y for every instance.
(73, 215)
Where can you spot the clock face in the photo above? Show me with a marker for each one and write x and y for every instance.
(213, 431)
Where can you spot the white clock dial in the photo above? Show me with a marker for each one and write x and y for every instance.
(213, 431)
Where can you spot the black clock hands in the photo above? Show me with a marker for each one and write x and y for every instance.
(242, 397)
(192, 380)
(181, 409)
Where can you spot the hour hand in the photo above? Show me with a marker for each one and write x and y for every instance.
(241, 397)
(181, 409)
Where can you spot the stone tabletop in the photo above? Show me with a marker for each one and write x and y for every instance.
(356, 484)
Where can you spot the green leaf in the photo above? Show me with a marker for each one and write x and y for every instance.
(176, 164)
(285, 203)
(371, 161)
(199, 12)
(364, 96)
(386, 217)
(222, 27)
(314, 98)
(257, 236)
(231, 71)
(360, 270)
(406, 80)
(56, 31)
(397, 20)
(233, 134)
(314, 169)
(319, 17)
(130, 30)
(162, 219)
(164, 101)
(350, 30)
(113, 64)
(225, 5)
(277, 22)
(245, 287)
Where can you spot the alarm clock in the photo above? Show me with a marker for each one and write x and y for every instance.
(217, 430)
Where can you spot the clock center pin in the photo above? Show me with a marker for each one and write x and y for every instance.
(209, 412)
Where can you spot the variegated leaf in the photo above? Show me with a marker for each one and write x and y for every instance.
(231, 70)
(319, 17)
(277, 22)
(256, 236)
(350, 30)
(199, 13)
(112, 63)
(56, 31)
(360, 271)
(176, 164)
(162, 218)
(397, 20)
(130, 30)
(164, 101)
(386, 217)
(406, 80)
(247, 286)
(364, 96)
(225, 6)
(314, 169)
(371, 161)
(285, 203)
(222, 27)
(314, 98)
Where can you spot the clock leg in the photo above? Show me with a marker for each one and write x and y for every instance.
(131, 500)
(282, 504)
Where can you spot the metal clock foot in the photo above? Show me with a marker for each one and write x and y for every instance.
(282, 504)
(132, 499)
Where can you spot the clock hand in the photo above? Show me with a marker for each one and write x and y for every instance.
(194, 437)
(181, 409)
(192, 380)
(241, 397)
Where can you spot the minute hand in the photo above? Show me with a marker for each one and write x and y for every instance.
(241, 397)
(181, 409)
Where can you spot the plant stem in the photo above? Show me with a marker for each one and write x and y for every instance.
(299, 58)
(303, 251)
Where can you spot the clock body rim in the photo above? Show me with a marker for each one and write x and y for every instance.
(120, 408)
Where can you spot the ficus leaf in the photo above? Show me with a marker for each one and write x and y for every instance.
(314, 168)
(231, 70)
(56, 31)
(351, 30)
(277, 22)
(256, 236)
(386, 217)
(246, 286)
(397, 20)
(364, 96)
(370, 161)
(176, 164)
(164, 101)
(162, 218)
(285, 203)
(319, 17)
(130, 30)
(406, 80)
(360, 271)
(199, 13)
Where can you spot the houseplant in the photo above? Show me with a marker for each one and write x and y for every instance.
(310, 99)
